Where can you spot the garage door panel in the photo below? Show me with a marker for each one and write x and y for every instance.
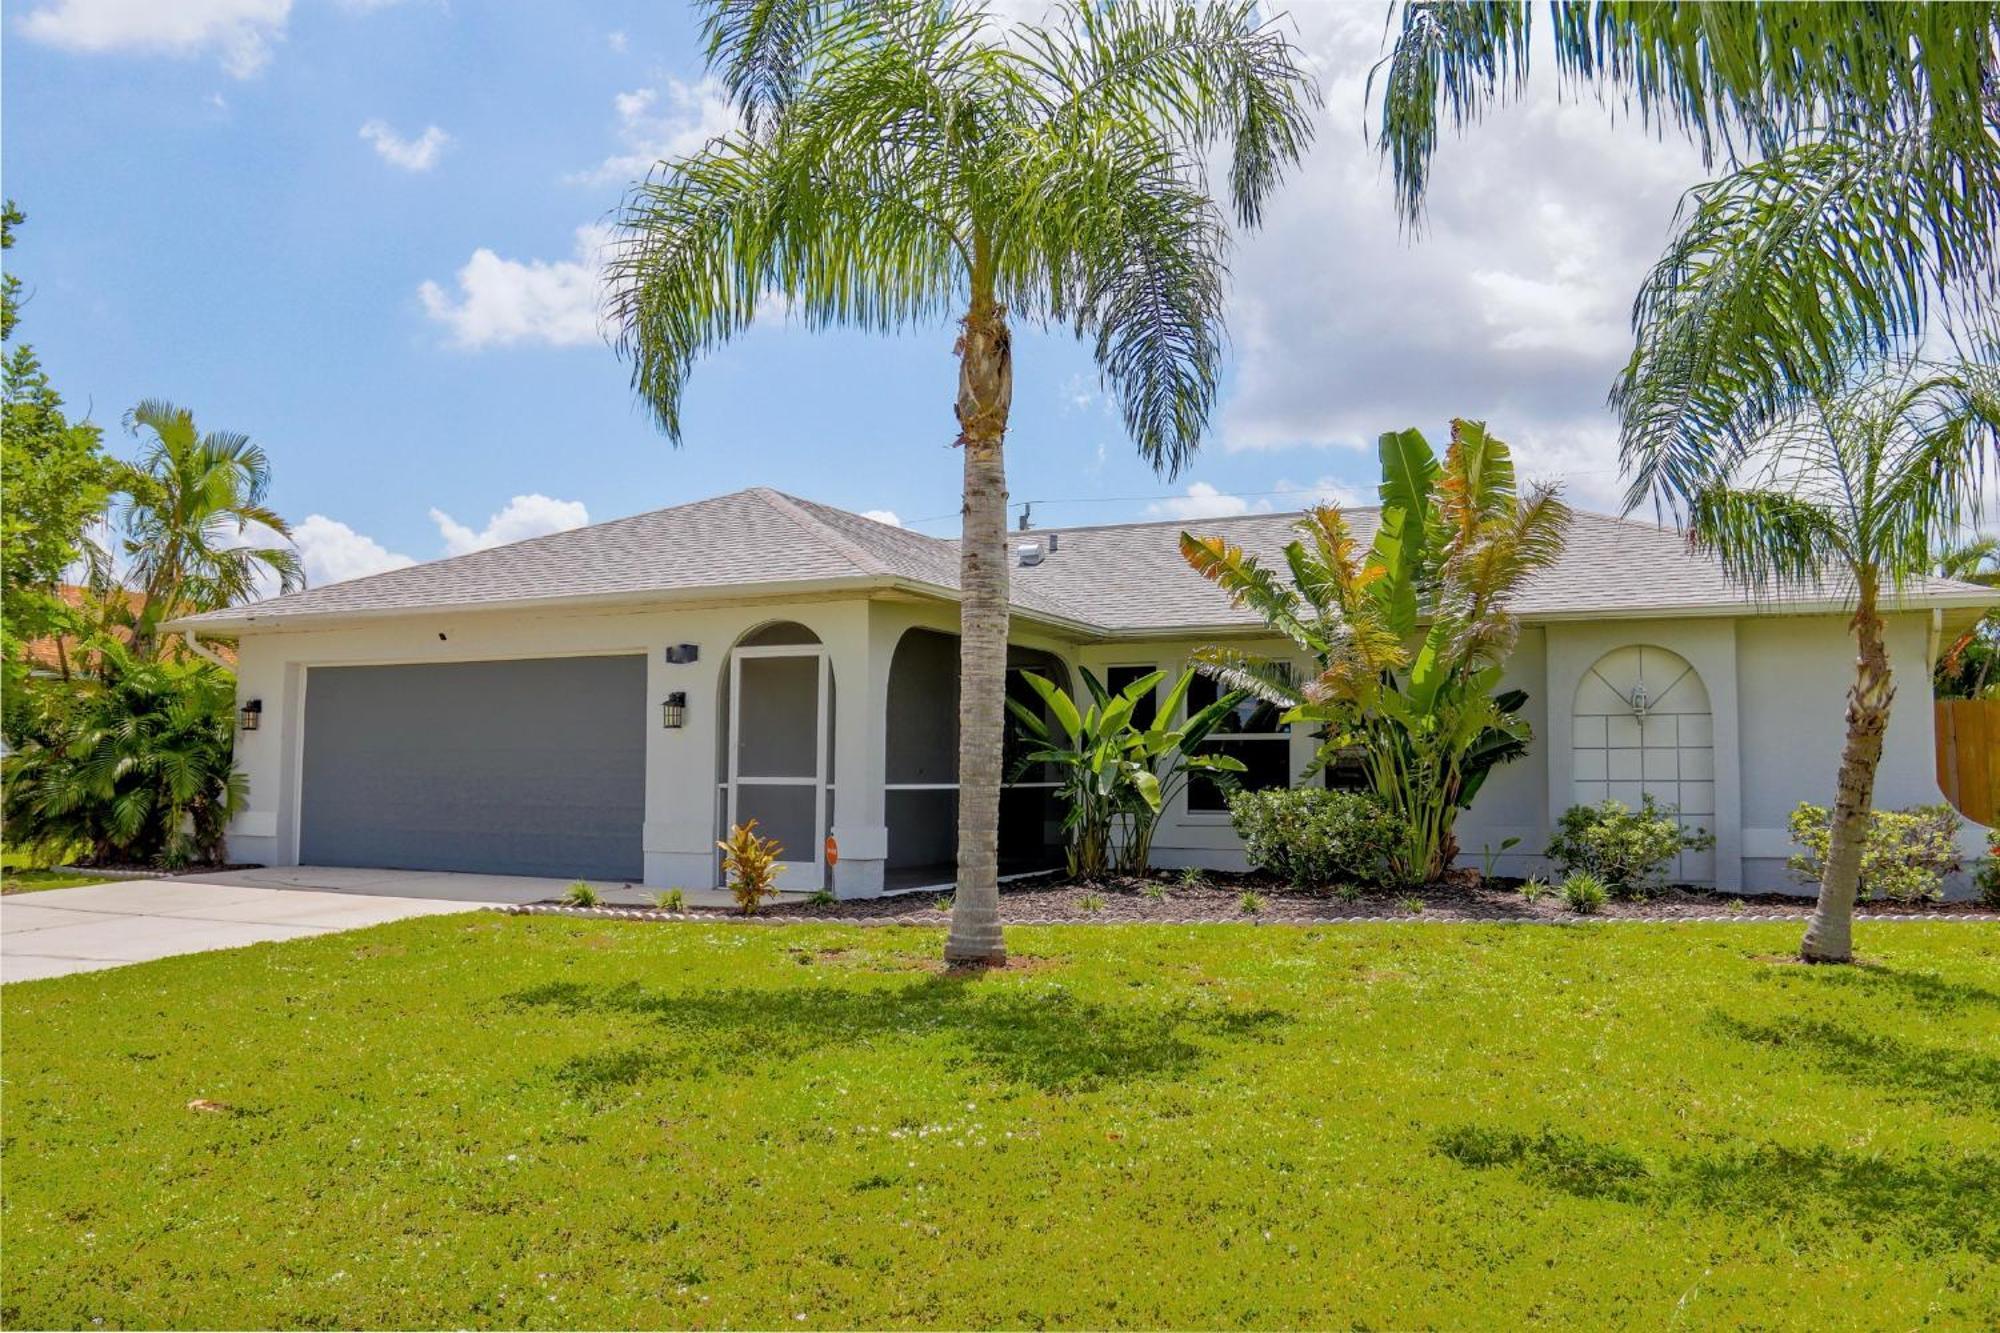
(533, 767)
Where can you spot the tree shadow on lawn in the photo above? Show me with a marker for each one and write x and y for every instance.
(1046, 1038)
(1927, 990)
(1957, 1081)
(1936, 1206)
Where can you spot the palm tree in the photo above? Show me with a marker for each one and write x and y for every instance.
(1867, 485)
(185, 498)
(905, 162)
(1862, 142)
(1411, 637)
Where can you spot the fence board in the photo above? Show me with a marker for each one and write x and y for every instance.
(1968, 756)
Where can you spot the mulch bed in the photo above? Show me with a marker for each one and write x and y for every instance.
(1219, 897)
(123, 870)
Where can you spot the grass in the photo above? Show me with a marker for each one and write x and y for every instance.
(497, 1121)
(19, 874)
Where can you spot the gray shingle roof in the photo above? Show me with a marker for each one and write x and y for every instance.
(1126, 577)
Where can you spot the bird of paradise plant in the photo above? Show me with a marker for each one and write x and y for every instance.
(1410, 639)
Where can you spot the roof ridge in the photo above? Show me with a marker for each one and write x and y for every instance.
(795, 509)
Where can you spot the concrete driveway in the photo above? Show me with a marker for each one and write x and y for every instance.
(59, 931)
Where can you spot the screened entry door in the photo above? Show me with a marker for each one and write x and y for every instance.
(778, 754)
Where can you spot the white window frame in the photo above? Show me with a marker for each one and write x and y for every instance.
(1190, 815)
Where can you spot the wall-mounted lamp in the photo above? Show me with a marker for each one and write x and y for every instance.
(674, 711)
(680, 654)
(1640, 701)
(252, 715)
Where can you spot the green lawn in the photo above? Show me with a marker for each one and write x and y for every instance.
(474, 1121)
(18, 874)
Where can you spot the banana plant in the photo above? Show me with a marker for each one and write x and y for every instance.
(1111, 768)
(1411, 638)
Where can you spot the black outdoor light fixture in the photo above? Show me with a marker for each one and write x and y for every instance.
(674, 711)
(253, 714)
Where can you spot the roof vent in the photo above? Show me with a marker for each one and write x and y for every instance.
(1030, 553)
(1052, 542)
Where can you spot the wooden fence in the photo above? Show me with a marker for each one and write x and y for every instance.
(1968, 756)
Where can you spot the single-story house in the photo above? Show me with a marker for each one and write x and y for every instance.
(603, 702)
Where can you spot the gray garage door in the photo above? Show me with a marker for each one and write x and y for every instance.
(533, 767)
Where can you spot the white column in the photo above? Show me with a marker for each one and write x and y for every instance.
(860, 642)
(679, 836)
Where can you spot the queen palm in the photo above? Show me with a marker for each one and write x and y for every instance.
(189, 502)
(1862, 150)
(1866, 486)
(905, 162)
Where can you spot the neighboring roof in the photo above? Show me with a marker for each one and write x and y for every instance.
(54, 653)
(1113, 579)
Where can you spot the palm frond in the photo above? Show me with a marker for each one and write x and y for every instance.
(1780, 275)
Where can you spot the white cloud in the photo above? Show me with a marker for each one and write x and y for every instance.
(653, 129)
(501, 302)
(1511, 306)
(1201, 501)
(883, 516)
(418, 154)
(240, 32)
(1325, 491)
(332, 552)
(525, 516)
(618, 42)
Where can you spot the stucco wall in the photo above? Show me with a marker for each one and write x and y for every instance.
(1777, 683)
(683, 768)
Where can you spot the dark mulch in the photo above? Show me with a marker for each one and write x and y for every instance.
(1219, 896)
(125, 868)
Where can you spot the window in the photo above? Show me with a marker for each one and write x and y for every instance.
(1118, 677)
(1344, 772)
(1252, 735)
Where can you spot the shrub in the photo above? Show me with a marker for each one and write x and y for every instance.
(1534, 887)
(1987, 877)
(581, 894)
(751, 865)
(820, 897)
(1905, 856)
(1156, 892)
(1312, 837)
(135, 767)
(1251, 903)
(670, 900)
(1091, 903)
(1584, 893)
(1629, 850)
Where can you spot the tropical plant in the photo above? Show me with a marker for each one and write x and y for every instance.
(1313, 838)
(188, 502)
(1906, 855)
(1986, 876)
(750, 864)
(1855, 494)
(1112, 771)
(904, 162)
(1584, 893)
(1862, 148)
(135, 764)
(1628, 849)
(1410, 638)
(1969, 667)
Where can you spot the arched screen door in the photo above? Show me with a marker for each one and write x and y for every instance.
(778, 753)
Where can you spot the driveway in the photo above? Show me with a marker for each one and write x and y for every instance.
(58, 931)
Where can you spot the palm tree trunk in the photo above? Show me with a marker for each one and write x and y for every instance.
(985, 393)
(1830, 933)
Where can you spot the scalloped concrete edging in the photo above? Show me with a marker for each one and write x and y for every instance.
(932, 918)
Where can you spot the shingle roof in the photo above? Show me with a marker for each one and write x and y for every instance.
(1125, 577)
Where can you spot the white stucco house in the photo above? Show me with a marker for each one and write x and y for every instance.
(603, 702)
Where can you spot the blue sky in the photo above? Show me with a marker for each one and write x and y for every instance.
(359, 232)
